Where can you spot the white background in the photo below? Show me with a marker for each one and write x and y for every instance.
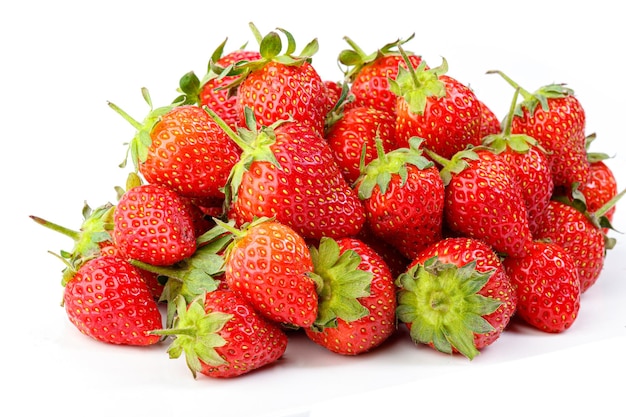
(61, 144)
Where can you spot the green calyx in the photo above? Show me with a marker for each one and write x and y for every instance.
(441, 303)
(340, 283)
(381, 169)
(416, 85)
(456, 164)
(355, 59)
(196, 334)
(141, 142)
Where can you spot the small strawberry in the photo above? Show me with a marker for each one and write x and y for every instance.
(456, 297)
(369, 75)
(436, 107)
(268, 265)
(357, 297)
(547, 287)
(358, 128)
(556, 119)
(222, 336)
(108, 300)
(403, 195)
(153, 224)
(489, 123)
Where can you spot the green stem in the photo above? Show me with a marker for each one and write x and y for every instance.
(58, 228)
(527, 95)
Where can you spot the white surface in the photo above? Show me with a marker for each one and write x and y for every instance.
(62, 61)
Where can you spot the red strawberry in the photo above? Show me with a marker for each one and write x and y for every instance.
(483, 200)
(547, 286)
(268, 265)
(600, 188)
(369, 74)
(108, 300)
(436, 107)
(353, 318)
(153, 224)
(404, 198)
(456, 297)
(358, 127)
(489, 125)
(556, 119)
(181, 147)
(223, 337)
(287, 171)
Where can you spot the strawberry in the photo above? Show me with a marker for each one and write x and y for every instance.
(483, 200)
(529, 163)
(287, 171)
(108, 300)
(268, 265)
(556, 119)
(357, 298)
(181, 147)
(358, 128)
(153, 224)
(547, 287)
(456, 297)
(489, 125)
(369, 75)
(600, 188)
(403, 195)
(222, 336)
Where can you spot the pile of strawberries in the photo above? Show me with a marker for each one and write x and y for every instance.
(265, 200)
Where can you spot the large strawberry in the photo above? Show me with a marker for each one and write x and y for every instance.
(369, 74)
(483, 200)
(556, 119)
(357, 297)
(403, 195)
(547, 287)
(107, 299)
(287, 171)
(222, 336)
(153, 224)
(436, 107)
(268, 265)
(456, 297)
(181, 147)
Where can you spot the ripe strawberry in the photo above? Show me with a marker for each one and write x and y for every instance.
(222, 336)
(403, 196)
(530, 165)
(369, 75)
(483, 200)
(357, 298)
(153, 224)
(600, 188)
(556, 119)
(181, 147)
(268, 265)
(287, 171)
(436, 107)
(358, 128)
(547, 287)
(489, 125)
(108, 300)
(456, 297)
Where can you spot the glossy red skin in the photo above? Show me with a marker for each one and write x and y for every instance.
(447, 125)
(460, 251)
(190, 154)
(489, 125)
(408, 216)
(221, 101)
(108, 300)
(371, 85)
(268, 267)
(561, 132)
(600, 187)
(484, 202)
(153, 224)
(308, 194)
(277, 91)
(584, 242)
(547, 286)
(369, 332)
(358, 127)
(251, 341)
